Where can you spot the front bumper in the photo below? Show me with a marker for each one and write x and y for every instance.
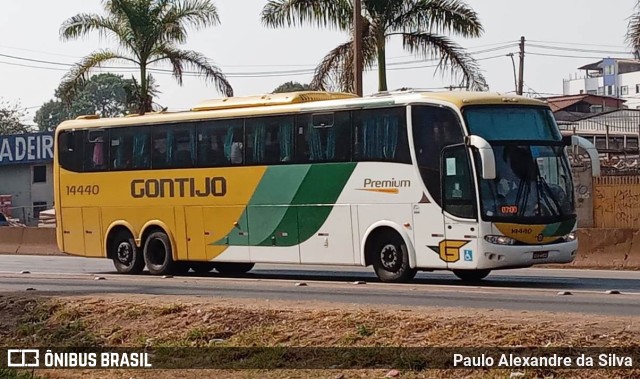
(506, 256)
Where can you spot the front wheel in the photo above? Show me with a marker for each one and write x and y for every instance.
(228, 268)
(471, 275)
(127, 258)
(391, 259)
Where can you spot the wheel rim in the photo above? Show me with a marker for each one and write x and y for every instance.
(390, 257)
(157, 252)
(125, 253)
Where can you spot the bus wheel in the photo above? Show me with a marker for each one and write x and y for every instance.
(228, 268)
(471, 275)
(202, 267)
(126, 257)
(390, 258)
(158, 254)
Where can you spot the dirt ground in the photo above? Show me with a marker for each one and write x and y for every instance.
(136, 321)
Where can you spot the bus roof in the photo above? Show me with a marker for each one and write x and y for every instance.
(296, 102)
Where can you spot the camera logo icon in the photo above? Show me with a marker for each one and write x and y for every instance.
(23, 358)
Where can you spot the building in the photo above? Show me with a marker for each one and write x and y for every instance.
(26, 174)
(576, 107)
(608, 77)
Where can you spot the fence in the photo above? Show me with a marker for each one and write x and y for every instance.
(28, 215)
(616, 202)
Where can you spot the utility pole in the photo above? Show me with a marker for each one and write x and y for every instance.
(357, 47)
(521, 78)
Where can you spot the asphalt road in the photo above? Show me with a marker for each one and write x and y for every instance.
(525, 289)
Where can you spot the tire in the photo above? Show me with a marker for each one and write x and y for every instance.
(158, 254)
(127, 258)
(228, 268)
(202, 267)
(390, 258)
(471, 275)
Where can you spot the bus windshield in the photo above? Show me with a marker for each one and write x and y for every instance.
(533, 179)
(515, 123)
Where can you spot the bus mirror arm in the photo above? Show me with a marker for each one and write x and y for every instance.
(591, 150)
(487, 158)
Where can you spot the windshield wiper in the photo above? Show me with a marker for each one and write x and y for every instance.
(550, 195)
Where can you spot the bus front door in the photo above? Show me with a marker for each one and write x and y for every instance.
(460, 247)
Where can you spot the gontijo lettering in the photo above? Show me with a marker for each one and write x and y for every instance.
(179, 187)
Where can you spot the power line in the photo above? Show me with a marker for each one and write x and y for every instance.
(572, 56)
(229, 74)
(576, 44)
(579, 50)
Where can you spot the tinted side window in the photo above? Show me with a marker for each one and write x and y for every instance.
(129, 149)
(70, 145)
(323, 137)
(220, 143)
(381, 135)
(434, 128)
(269, 140)
(95, 151)
(173, 146)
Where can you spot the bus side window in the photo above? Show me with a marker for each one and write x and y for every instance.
(183, 152)
(220, 143)
(70, 145)
(269, 140)
(95, 152)
(324, 137)
(381, 135)
(129, 148)
(434, 128)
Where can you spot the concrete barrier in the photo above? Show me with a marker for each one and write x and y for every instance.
(608, 249)
(598, 248)
(39, 241)
(28, 241)
(10, 239)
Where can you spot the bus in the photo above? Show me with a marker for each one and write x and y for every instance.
(403, 181)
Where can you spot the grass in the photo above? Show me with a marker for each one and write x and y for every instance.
(13, 374)
(115, 321)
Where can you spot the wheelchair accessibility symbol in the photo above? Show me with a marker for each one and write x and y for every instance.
(468, 256)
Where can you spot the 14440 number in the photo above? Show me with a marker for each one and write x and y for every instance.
(83, 190)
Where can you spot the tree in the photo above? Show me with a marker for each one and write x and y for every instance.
(633, 31)
(148, 32)
(292, 87)
(11, 116)
(420, 23)
(109, 95)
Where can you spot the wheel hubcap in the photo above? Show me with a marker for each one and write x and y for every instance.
(389, 257)
(125, 253)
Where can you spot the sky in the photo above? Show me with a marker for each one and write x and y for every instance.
(257, 59)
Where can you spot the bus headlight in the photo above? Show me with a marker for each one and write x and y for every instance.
(570, 237)
(500, 240)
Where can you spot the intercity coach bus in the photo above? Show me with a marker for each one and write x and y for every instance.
(402, 181)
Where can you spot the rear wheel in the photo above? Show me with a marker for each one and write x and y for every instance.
(228, 268)
(202, 267)
(158, 254)
(471, 275)
(127, 258)
(390, 258)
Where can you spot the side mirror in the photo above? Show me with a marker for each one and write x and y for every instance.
(591, 150)
(487, 158)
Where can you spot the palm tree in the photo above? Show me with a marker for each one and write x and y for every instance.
(148, 32)
(420, 23)
(633, 31)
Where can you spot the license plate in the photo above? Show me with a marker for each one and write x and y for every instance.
(541, 255)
